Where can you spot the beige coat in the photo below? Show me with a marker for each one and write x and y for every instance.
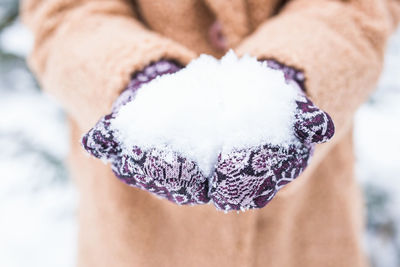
(84, 54)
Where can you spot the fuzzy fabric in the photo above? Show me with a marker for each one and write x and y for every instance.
(243, 179)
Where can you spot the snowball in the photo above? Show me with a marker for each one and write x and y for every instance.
(209, 107)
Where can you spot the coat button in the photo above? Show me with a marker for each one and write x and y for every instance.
(216, 37)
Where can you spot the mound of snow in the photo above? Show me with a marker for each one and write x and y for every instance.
(211, 106)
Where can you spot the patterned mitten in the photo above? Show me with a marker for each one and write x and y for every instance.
(178, 180)
(250, 178)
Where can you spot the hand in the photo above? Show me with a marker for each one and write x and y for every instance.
(178, 179)
(250, 178)
(243, 179)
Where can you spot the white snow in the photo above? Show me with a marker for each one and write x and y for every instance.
(208, 107)
(37, 201)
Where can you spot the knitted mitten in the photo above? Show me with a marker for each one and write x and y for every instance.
(250, 178)
(178, 180)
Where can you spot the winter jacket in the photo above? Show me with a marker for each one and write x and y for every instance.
(84, 54)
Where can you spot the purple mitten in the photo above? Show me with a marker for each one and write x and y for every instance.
(250, 178)
(100, 140)
(178, 179)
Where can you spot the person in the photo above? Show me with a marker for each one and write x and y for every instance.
(85, 54)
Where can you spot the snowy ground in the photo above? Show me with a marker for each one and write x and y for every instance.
(38, 203)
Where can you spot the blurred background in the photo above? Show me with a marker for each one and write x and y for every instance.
(38, 203)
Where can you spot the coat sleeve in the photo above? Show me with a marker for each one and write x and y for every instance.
(86, 50)
(338, 44)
